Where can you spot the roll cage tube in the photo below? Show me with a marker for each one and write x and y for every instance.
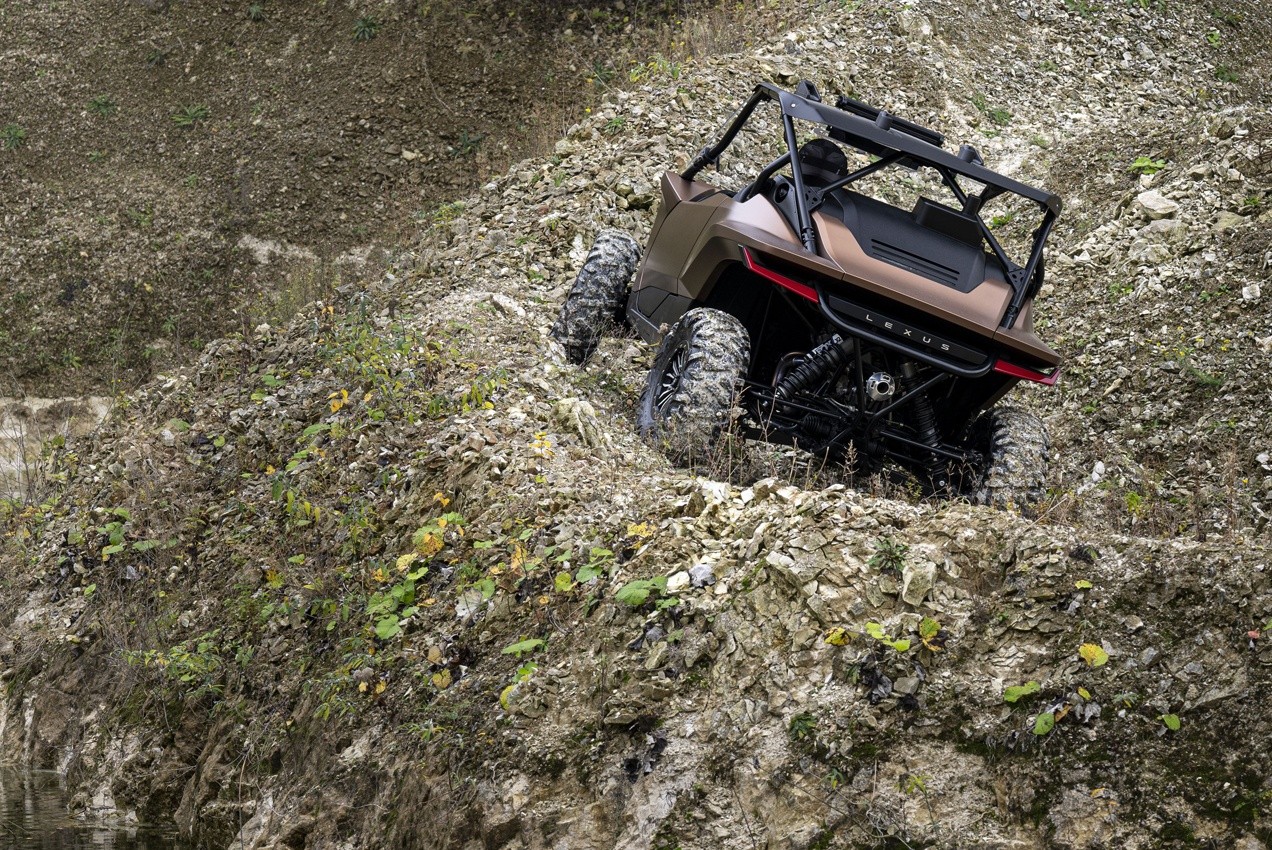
(884, 133)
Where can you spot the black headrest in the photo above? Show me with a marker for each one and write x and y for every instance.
(822, 162)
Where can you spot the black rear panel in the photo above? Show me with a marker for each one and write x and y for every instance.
(893, 236)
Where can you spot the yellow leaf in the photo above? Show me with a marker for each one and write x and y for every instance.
(441, 522)
(429, 603)
(544, 600)
(505, 695)
(1084, 693)
(430, 544)
(442, 680)
(438, 497)
(380, 575)
(838, 636)
(518, 556)
(405, 561)
(640, 529)
(434, 655)
(362, 687)
(269, 470)
(368, 397)
(1093, 654)
(380, 686)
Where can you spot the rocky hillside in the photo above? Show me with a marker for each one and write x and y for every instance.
(396, 575)
(175, 172)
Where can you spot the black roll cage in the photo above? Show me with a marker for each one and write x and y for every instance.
(895, 141)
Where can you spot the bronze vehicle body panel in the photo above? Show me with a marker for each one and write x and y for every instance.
(835, 286)
(707, 234)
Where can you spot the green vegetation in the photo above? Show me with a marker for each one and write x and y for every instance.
(1147, 165)
(997, 114)
(256, 12)
(802, 727)
(889, 556)
(366, 28)
(102, 105)
(1015, 693)
(12, 137)
(467, 143)
(188, 116)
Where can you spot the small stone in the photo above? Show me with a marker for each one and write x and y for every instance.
(701, 575)
(906, 685)
(1225, 221)
(917, 580)
(1153, 205)
(678, 582)
(1251, 292)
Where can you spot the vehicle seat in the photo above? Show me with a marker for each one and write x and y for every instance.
(822, 162)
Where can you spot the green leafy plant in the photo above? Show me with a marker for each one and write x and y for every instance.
(256, 12)
(12, 137)
(1045, 722)
(875, 630)
(102, 105)
(1224, 74)
(1015, 693)
(635, 593)
(390, 607)
(889, 555)
(1171, 721)
(522, 647)
(802, 727)
(1147, 165)
(599, 561)
(366, 28)
(188, 116)
(930, 634)
(467, 143)
(615, 125)
(1213, 38)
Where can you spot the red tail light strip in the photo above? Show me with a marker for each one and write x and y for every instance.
(803, 290)
(1005, 368)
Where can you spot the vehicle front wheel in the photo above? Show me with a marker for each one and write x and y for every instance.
(1015, 446)
(598, 297)
(695, 383)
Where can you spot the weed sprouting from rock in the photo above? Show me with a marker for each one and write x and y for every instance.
(12, 137)
(366, 28)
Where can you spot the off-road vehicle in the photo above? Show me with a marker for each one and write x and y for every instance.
(826, 296)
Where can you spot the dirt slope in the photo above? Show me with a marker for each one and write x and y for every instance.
(174, 172)
(396, 575)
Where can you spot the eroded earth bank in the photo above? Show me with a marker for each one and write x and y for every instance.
(396, 575)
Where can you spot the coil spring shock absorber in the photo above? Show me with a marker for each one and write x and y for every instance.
(818, 364)
(925, 432)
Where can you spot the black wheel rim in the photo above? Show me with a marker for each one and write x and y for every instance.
(669, 381)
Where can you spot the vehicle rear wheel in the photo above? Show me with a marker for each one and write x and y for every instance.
(1016, 447)
(599, 295)
(694, 384)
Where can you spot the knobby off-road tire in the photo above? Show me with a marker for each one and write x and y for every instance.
(598, 297)
(1016, 448)
(694, 384)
